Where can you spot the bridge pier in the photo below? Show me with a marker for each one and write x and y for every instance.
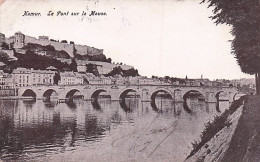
(231, 96)
(87, 97)
(39, 98)
(115, 98)
(210, 97)
(146, 97)
(177, 96)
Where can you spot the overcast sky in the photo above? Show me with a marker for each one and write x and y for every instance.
(158, 37)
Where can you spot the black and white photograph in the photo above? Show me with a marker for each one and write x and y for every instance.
(130, 80)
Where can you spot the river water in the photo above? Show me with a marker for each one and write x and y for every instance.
(101, 131)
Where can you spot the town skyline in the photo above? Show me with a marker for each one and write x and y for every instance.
(160, 52)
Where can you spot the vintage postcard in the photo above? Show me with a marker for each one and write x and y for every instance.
(129, 80)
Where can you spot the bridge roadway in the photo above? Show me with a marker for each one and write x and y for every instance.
(118, 92)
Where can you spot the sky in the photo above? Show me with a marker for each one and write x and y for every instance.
(158, 37)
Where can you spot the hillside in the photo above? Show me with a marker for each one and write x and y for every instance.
(48, 50)
(50, 47)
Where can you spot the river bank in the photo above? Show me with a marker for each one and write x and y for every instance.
(238, 140)
(245, 143)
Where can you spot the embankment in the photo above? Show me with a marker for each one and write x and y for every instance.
(218, 135)
(245, 143)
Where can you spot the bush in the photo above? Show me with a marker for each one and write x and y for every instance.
(4, 45)
(125, 73)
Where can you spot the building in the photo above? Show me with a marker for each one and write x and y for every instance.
(21, 77)
(71, 78)
(43, 38)
(2, 38)
(42, 77)
(19, 40)
(2, 78)
(102, 67)
(29, 77)
(81, 66)
(6, 80)
(95, 80)
(51, 68)
(106, 80)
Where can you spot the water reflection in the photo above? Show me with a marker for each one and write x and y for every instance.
(32, 130)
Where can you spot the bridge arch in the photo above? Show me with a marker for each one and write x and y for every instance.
(154, 94)
(72, 93)
(48, 93)
(237, 95)
(124, 93)
(95, 104)
(200, 95)
(234, 97)
(29, 93)
(217, 97)
(218, 94)
(97, 92)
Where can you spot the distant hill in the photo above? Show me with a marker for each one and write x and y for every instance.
(245, 81)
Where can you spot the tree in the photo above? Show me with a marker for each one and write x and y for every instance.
(56, 78)
(74, 51)
(64, 41)
(73, 65)
(4, 57)
(32, 60)
(116, 71)
(130, 72)
(91, 68)
(244, 17)
(4, 45)
(125, 73)
(109, 60)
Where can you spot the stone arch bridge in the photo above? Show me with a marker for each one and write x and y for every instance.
(118, 92)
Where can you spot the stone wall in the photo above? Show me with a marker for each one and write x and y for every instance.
(7, 92)
(69, 48)
(63, 46)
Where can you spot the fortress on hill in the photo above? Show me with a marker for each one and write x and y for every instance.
(19, 40)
